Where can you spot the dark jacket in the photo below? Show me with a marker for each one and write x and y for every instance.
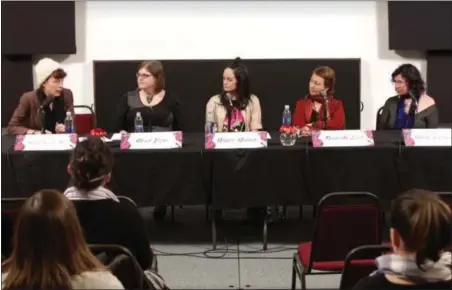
(427, 118)
(26, 116)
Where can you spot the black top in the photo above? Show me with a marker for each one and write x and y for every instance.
(314, 117)
(165, 116)
(379, 282)
(428, 118)
(54, 115)
(106, 221)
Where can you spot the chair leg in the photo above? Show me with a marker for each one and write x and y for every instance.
(294, 275)
(265, 235)
(214, 234)
(173, 215)
(303, 280)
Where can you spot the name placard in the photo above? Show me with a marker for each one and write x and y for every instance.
(343, 138)
(45, 142)
(236, 140)
(152, 140)
(427, 137)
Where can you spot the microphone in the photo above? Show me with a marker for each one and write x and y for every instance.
(413, 97)
(46, 102)
(229, 98)
(325, 97)
(149, 99)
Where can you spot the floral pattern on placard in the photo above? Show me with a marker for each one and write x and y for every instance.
(125, 144)
(263, 135)
(209, 143)
(19, 144)
(73, 138)
(178, 136)
(370, 135)
(409, 141)
(316, 142)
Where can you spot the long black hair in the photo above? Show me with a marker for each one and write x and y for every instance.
(411, 74)
(243, 85)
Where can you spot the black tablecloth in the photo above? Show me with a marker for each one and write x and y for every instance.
(247, 177)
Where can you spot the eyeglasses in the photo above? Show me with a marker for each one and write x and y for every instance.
(142, 75)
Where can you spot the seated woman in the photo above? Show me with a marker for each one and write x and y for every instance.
(421, 230)
(235, 109)
(310, 111)
(54, 99)
(49, 251)
(159, 109)
(104, 218)
(412, 107)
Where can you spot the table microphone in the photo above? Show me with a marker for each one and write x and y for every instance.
(325, 97)
(229, 111)
(413, 97)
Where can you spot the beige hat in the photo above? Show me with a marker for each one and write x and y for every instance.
(44, 68)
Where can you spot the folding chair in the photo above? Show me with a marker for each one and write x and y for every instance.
(86, 121)
(359, 263)
(343, 221)
(122, 264)
(10, 210)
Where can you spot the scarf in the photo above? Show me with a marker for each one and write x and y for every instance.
(99, 193)
(320, 115)
(404, 120)
(431, 272)
(237, 119)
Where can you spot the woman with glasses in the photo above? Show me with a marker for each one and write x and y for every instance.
(412, 107)
(158, 109)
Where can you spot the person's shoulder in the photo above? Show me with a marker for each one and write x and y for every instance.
(429, 101)
(29, 95)
(393, 99)
(336, 102)
(215, 99)
(254, 98)
(377, 281)
(97, 279)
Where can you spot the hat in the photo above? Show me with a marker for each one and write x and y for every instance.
(44, 68)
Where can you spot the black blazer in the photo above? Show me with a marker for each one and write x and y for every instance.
(428, 118)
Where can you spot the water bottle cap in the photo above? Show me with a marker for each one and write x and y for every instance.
(68, 113)
(286, 107)
(138, 114)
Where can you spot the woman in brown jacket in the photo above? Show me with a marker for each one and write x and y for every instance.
(43, 110)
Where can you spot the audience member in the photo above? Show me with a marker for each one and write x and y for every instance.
(49, 251)
(104, 218)
(421, 231)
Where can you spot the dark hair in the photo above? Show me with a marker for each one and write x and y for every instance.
(412, 76)
(243, 84)
(424, 223)
(329, 77)
(155, 68)
(91, 161)
(48, 245)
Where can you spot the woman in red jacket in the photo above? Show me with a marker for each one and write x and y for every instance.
(310, 111)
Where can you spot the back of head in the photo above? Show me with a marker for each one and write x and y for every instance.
(48, 245)
(91, 163)
(424, 223)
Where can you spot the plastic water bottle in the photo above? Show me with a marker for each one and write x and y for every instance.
(287, 139)
(210, 126)
(69, 123)
(138, 123)
(287, 116)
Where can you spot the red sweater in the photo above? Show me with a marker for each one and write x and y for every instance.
(303, 112)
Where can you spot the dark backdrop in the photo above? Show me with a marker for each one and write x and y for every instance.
(420, 25)
(275, 81)
(38, 27)
(17, 78)
(439, 82)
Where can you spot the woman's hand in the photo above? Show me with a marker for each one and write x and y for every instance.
(306, 130)
(60, 128)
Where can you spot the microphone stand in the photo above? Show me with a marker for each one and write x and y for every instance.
(229, 117)
(42, 114)
(325, 111)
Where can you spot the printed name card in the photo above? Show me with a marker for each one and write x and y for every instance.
(236, 140)
(152, 140)
(342, 138)
(45, 142)
(427, 137)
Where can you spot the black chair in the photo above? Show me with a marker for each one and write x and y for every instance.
(122, 264)
(343, 221)
(360, 263)
(377, 124)
(10, 210)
